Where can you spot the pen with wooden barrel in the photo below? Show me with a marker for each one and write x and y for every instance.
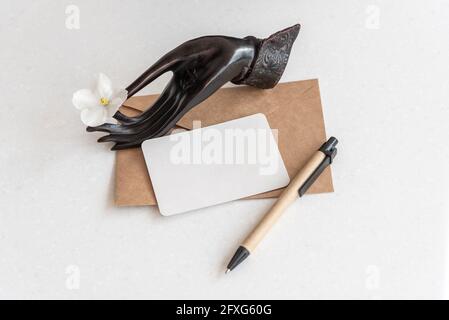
(298, 186)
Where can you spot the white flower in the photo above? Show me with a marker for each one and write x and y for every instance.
(98, 106)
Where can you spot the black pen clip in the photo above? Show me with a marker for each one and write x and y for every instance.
(330, 151)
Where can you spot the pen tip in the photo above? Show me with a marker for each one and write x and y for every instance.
(227, 271)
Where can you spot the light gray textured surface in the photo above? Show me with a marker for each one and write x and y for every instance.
(383, 73)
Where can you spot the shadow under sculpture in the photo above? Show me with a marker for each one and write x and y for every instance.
(200, 67)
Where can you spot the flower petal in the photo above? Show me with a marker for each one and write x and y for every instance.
(112, 110)
(121, 94)
(84, 98)
(117, 101)
(94, 116)
(104, 86)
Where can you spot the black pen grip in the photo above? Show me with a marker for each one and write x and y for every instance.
(330, 150)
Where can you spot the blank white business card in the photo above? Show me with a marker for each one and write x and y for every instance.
(213, 165)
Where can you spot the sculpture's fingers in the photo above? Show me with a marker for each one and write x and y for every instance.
(161, 103)
(140, 123)
(125, 134)
(111, 128)
(163, 65)
(129, 141)
(125, 119)
(116, 137)
(105, 138)
(170, 120)
(118, 146)
(107, 127)
(181, 108)
(159, 123)
(127, 145)
(157, 108)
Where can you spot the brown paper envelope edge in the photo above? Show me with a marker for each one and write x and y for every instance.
(305, 93)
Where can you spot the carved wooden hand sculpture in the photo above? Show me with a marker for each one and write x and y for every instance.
(200, 67)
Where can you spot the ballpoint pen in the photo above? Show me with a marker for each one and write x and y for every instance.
(298, 186)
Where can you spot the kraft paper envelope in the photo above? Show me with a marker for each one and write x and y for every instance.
(293, 109)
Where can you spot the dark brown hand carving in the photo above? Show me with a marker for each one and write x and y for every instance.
(200, 67)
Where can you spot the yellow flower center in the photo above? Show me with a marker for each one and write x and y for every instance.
(104, 101)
